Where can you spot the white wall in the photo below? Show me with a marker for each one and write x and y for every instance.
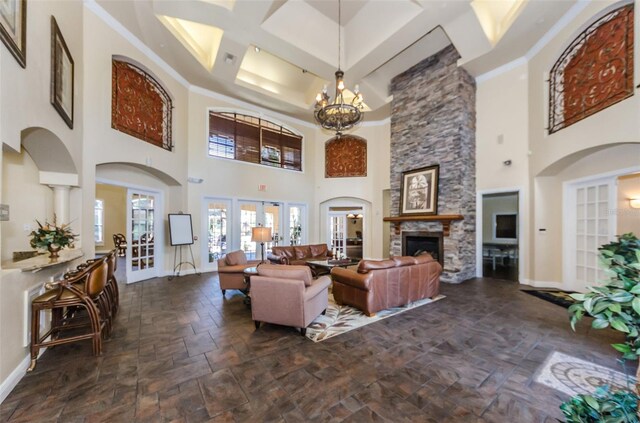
(223, 178)
(104, 145)
(512, 109)
(369, 189)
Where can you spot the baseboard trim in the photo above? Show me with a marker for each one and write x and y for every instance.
(541, 284)
(16, 376)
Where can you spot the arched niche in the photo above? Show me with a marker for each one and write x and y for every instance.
(564, 162)
(51, 156)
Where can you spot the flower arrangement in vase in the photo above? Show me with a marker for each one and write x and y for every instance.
(52, 237)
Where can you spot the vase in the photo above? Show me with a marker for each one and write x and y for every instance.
(54, 249)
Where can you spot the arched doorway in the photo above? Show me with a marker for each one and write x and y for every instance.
(345, 226)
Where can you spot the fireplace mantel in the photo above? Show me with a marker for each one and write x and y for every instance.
(445, 219)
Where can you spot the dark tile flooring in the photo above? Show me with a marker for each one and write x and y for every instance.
(182, 353)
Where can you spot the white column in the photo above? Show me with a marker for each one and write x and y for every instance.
(61, 202)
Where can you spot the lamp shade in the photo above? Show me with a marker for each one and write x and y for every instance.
(260, 234)
(634, 203)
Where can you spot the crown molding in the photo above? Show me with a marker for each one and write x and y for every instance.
(569, 16)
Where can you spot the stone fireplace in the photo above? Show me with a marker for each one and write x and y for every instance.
(433, 123)
(416, 242)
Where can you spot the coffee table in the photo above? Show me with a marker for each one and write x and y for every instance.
(324, 266)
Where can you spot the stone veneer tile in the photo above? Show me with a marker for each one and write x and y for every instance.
(433, 120)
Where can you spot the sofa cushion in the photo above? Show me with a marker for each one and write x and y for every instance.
(319, 250)
(365, 265)
(302, 251)
(301, 273)
(283, 252)
(236, 257)
(404, 261)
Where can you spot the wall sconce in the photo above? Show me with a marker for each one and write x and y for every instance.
(634, 203)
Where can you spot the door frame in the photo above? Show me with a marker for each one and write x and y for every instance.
(522, 258)
(158, 226)
(569, 215)
(367, 230)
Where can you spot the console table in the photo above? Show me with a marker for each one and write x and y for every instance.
(445, 219)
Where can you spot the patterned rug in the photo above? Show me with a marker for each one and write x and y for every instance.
(341, 319)
(574, 376)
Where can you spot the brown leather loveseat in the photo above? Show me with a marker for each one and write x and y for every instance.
(381, 284)
(299, 254)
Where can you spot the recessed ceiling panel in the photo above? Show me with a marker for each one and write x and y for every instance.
(201, 40)
(330, 9)
(264, 71)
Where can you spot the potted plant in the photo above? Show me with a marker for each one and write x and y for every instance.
(615, 304)
(52, 237)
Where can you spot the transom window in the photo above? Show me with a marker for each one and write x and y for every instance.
(254, 140)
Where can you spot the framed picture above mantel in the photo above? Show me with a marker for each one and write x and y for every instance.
(419, 191)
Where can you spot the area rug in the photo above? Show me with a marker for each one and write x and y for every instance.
(341, 319)
(555, 296)
(573, 376)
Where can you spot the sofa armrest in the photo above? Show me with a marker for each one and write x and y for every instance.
(351, 278)
(277, 259)
(319, 285)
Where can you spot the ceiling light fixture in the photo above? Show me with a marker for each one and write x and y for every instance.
(634, 203)
(340, 115)
(257, 49)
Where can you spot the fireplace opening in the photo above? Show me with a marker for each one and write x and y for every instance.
(418, 242)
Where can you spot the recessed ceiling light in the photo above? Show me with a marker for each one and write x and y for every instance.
(257, 49)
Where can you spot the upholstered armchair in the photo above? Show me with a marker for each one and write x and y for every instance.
(231, 270)
(288, 295)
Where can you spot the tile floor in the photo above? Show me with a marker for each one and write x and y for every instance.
(182, 353)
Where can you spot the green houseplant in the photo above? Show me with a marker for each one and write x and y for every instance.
(615, 304)
(52, 237)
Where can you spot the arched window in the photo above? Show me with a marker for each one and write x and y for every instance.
(345, 156)
(140, 106)
(594, 72)
(251, 139)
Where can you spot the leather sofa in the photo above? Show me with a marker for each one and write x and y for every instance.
(299, 254)
(231, 270)
(381, 284)
(288, 295)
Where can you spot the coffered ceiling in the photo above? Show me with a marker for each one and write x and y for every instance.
(279, 53)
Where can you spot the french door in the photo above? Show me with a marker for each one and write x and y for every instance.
(338, 232)
(590, 226)
(218, 215)
(258, 213)
(142, 209)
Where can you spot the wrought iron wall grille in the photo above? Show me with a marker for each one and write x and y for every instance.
(594, 72)
(345, 156)
(140, 106)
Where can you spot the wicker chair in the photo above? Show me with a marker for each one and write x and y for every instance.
(64, 298)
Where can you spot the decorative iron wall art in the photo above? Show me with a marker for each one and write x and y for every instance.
(594, 72)
(345, 156)
(140, 106)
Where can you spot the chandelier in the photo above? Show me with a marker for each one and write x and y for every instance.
(342, 114)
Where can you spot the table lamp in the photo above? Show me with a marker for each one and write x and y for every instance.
(261, 234)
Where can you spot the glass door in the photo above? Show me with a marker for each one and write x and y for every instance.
(218, 213)
(255, 213)
(296, 224)
(337, 232)
(141, 230)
